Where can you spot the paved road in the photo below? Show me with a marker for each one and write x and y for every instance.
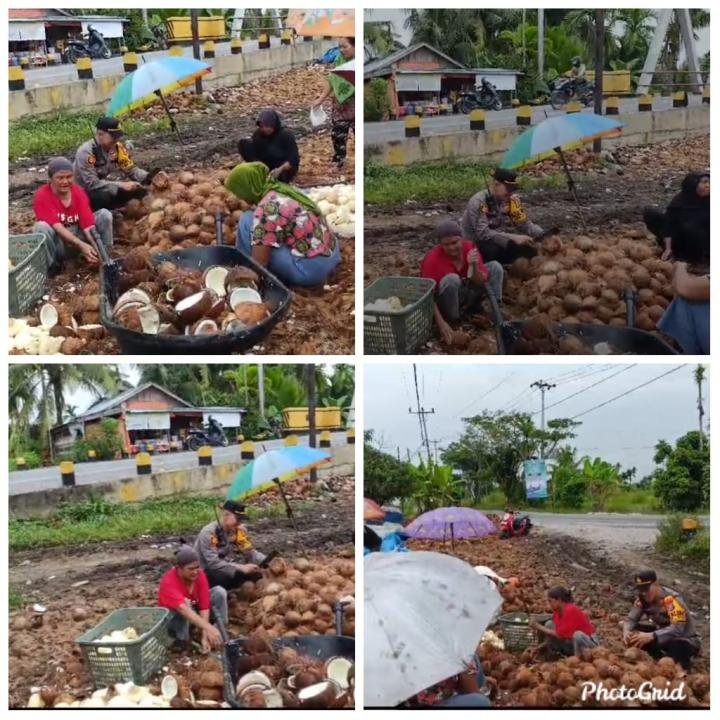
(57, 74)
(48, 478)
(451, 124)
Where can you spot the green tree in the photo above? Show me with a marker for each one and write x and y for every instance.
(104, 438)
(682, 479)
(493, 446)
(601, 480)
(377, 101)
(385, 477)
(380, 37)
(567, 487)
(435, 486)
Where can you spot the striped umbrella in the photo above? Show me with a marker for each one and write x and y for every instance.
(155, 80)
(273, 468)
(558, 134)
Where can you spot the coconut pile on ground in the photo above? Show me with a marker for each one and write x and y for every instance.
(302, 488)
(525, 679)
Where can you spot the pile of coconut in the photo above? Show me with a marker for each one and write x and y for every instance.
(337, 204)
(583, 280)
(560, 683)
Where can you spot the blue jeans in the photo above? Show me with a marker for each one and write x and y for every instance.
(688, 323)
(470, 700)
(292, 269)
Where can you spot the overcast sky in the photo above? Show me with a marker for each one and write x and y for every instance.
(624, 431)
(397, 18)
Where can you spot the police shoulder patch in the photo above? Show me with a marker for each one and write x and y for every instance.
(92, 160)
(675, 610)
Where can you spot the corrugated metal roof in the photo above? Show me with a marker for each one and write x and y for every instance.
(382, 65)
(103, 406)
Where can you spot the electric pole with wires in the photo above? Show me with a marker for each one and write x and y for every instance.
(421, 412)
(543, 387)
(699, 377)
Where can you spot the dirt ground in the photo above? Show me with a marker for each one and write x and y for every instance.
(599, 579)
(612, 196)
(321, 320)
(102, 577)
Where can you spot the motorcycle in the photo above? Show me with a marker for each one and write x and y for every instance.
(94, 48)
(269, 429)
(484, 96)
(197, 437)
(512, 526)
(563, 90)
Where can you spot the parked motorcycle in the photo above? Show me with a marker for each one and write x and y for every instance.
(95, 47)
(209, 435)
(563, 90)
(513, 526)
(484, 97)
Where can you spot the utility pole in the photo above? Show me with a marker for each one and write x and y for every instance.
(435, 444)
(541, 42)
(599, 67)
(196, 46)
(421, 413)
(398, 452)
(261, 390)
(543, 387)
(312, 402)
(699, 377)
(524, 56)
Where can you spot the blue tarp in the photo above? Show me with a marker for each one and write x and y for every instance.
(330, 56)
(394, 542)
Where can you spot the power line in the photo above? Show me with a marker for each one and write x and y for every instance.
(485, 395)
(421, 413)
(627, 392)
(585, 389)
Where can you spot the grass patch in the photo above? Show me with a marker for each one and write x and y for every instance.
(63, 132)
(97, 520)
(438, 182)
(15, 599)
(693, 548)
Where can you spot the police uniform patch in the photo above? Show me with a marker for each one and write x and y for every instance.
(214, 540)
(92, 160)
(675, 611)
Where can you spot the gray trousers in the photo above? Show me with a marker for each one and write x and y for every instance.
(56, 249)
(453, 294)
(580, 641)
(179, 627)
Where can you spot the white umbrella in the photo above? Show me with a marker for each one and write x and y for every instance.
(424, 616)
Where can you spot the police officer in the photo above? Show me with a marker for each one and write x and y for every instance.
(96, 159)
(219, 545)
(669, 629)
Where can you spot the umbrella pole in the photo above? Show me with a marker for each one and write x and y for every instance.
(571, 186)
(452, 537)
(173, 124)
(288, 509)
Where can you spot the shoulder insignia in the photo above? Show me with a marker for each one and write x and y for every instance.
(675, 610)
(214, 540)
(91, 160)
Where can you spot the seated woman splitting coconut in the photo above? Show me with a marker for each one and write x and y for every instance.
(570, 631)
(459, 691)
(285, 231)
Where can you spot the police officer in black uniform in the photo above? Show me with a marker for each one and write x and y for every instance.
(660, 621)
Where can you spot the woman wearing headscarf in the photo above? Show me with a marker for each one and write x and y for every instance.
(285, 230)
(687, 215)
(343, 99)
(274, 145)
(569, 632)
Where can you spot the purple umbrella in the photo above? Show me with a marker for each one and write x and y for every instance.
(450, 522)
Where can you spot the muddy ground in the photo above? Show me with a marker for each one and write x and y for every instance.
(321, 320)
(612, 195)
(126, 574)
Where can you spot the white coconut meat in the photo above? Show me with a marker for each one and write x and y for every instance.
(232, 325)
(214, 278)
(137, 693)
(327, 690)
(134, 295)
(273, 699)
(244, 294)
(48, 316)
(205, 327)
(253, 678)
(337, 669)
(169, 687)
(150, 322)
(188, 312)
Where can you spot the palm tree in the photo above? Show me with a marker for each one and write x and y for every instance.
(636, 36)
(380, 37)
(670, 56)
(581, 24)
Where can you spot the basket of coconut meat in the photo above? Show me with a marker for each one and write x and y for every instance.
(209, 300)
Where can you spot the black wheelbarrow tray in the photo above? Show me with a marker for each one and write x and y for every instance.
(320, 647)
(276, 296)
(622, 339)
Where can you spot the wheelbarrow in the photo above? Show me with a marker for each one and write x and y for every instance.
(276, 296)
(320, 647)
(623, 339)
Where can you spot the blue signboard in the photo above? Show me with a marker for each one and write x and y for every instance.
(536, 479)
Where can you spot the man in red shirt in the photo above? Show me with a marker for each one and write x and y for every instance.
(185, 591)
(459, 273)
(570, 630)
(63, 215)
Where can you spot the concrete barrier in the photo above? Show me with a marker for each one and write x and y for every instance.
(228, 70)
(640, 129)
(190, 481)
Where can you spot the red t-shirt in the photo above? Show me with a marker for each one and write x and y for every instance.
(49, 208)
(572, 619)
(436, 264)
(173, 592)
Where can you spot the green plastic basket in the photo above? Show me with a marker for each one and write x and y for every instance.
(404, 331)
(517, 633)
(26, 282)
(136, 661)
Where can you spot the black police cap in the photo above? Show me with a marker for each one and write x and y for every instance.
(505, 175)
(236, 508)
(643, 578)
(109, 124)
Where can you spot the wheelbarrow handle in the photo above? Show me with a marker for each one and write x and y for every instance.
(339, 607)
(219, 228)
(497, 319)
(630, 305)
(101, 249)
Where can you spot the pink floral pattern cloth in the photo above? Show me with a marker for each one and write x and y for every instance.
(279, 220)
